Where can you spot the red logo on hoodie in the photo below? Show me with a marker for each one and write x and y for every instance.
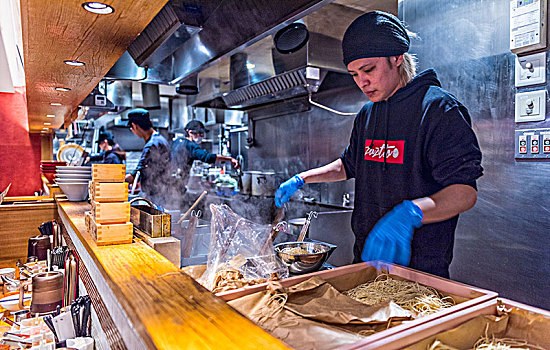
(394, 152)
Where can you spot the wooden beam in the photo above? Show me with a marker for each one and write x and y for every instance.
(63, 30)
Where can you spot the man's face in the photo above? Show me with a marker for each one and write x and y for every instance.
(196, 136)
(377, 77)
(103, 145)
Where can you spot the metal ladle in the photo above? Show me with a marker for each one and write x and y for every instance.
(312, 214)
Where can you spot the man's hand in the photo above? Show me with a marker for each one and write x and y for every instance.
(287, 189)
(235, 163)
(390, 239)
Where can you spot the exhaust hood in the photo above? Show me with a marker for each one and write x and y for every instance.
(198, 39)
(262, 74)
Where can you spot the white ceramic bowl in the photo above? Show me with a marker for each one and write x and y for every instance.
(74, 176)
(81, 168)
(78, 172)
(11, 302)
(75, 191)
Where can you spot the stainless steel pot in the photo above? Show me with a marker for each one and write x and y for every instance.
(247, 181)
(263, 184)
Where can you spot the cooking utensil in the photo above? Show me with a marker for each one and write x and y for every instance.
(189, 233)
(75, 313)
(312, 214)
(135, 183)
(48, 320)
(303, 263)
(86, 324)
(71, 278)
(279, 215)
(184, 216)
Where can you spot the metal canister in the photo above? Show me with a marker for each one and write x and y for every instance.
(47, 292)
(38, 246)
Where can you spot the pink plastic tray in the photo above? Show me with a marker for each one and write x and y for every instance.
(411, 336)
(471, 295)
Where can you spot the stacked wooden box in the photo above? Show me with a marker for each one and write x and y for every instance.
(109, 220)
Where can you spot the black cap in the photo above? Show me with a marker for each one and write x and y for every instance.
(195, 125)
(104, 136)
(375, 34)
(140, 116)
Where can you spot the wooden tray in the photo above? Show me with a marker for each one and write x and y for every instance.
(107, 234)
(109, 191)
(527, 322)
(347, 277)
(108, 172)
(111, 212)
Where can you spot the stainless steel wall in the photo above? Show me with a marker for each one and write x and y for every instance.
(294, 136)
(503, 243)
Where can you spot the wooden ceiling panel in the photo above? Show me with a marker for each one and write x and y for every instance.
(54, 31)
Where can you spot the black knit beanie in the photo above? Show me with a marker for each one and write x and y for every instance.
(374, 34)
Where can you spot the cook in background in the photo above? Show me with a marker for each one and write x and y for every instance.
(412, 152)
(111, 153)
(186, 150)
(154, 164)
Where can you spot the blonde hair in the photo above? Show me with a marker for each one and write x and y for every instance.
(407, 69)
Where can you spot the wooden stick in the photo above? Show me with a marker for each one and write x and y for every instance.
(192, 207)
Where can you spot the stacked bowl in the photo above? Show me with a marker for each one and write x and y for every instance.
(73, 181)
(48, 168)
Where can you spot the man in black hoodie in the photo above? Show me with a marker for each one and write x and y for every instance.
(412, 152)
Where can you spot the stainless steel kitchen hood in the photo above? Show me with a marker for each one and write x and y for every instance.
(232, 27)
(262, 74)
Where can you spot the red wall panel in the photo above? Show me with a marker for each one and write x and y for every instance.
(19, 150)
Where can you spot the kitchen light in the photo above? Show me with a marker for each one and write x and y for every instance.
(47, 123)
(98, 8)
(44, 128)
(250, 66)
(74, 63)
(50, 115)
(62, 89)
(55, 104)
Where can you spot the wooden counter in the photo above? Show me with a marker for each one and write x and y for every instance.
(145, 302)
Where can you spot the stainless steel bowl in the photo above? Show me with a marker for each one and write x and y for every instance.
(303, 263)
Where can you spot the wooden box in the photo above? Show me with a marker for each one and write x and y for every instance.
(347, 277)
(151, 221)
(465, 327)
(107, 234)
(111, 212)
(109, 191)
(108, 172)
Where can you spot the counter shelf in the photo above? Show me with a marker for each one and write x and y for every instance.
(142, 301)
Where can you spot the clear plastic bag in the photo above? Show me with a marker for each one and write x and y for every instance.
(241, 252)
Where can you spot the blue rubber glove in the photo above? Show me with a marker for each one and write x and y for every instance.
(287, 189)
(390, 239)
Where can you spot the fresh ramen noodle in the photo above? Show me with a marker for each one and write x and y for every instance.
(295, 251)
(420, 300)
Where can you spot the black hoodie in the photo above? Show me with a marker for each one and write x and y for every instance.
(430, 145)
